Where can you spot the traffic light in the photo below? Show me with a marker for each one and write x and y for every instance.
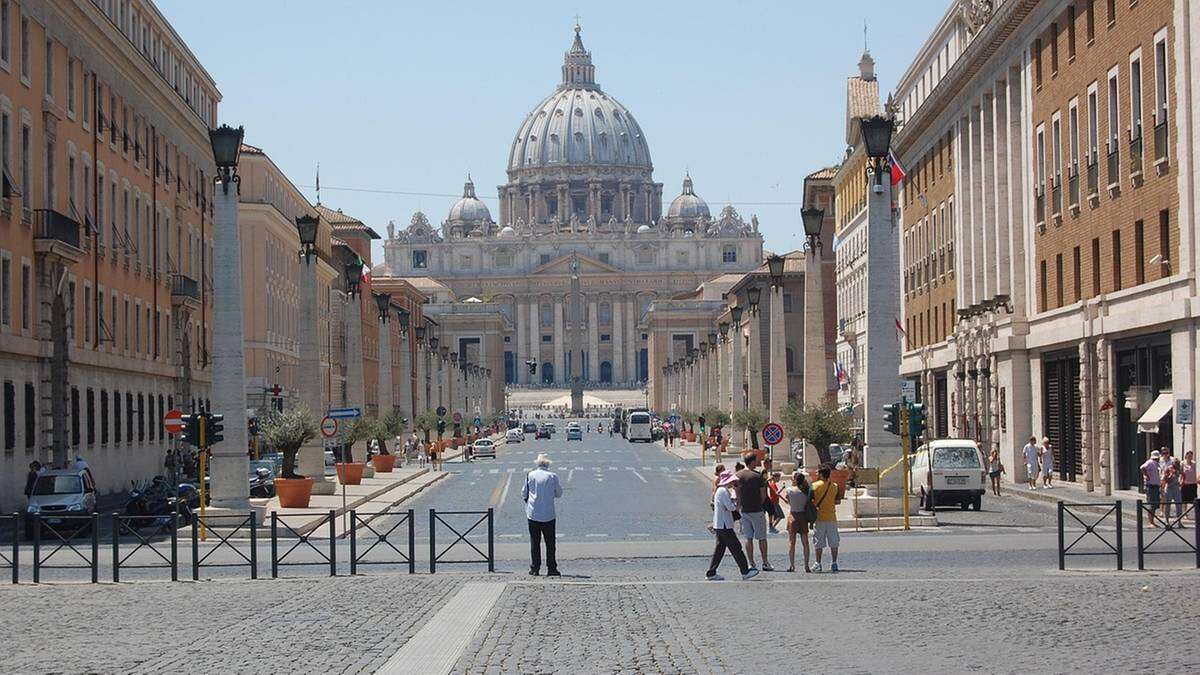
(891, 418)
(700, 419)
(216, 427)
(190, 434)
(441, 427)
(532, 366)
(917, 417)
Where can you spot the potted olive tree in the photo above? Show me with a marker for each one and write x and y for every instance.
(750, 420)
(287, 432)
(390, 425)
(350, 472)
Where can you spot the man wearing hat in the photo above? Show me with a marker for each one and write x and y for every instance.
(724, 514)
(540, 490)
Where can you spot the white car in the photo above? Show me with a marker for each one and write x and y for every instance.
(484, 447)
(514, 435)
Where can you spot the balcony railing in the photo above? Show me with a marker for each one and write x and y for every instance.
(49, 224)
(1114, 166)
(183, 286)
(1073, 189)
(1056, 197)
(1093, 177)
(1160, 140)
(1039, 205)
(1135, 156)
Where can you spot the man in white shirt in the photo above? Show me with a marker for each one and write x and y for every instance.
(1032, 467)
(541, 489)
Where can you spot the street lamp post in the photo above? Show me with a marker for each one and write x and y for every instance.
(229, 465)
(405, 402)
(312, 454)
(724, 380)
(883, 305)
(355, 387)
(383, 302)
(738, 371)
(777, 379)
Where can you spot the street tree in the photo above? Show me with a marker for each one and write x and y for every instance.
(821, 424)
(390, 425)
(750, 420)
(287, 432)
(360, 429)
(426, 422)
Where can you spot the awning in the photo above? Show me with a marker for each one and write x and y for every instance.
(1148, 422)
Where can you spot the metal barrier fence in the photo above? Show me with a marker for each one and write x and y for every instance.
(1169, 525)
(1089, 528)
(11, 523)
(128, 525)
(225, 541)
(436, 517)
(381, 540)
(65, 528)
(302, 539)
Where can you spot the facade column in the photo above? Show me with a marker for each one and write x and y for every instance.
(722, 373)
(632, 343)
(404, 399)
(1103, 422)
(355, 394)
(421, 397)
(754, 397)
(229, 465)
(778, 346)
(386, 397)
(593, 359)
(816, 370)
(312, 455)
(535, 336)
(618, 339)
(560, 372)
(523, 349)
(1086, 404)
(737, 369)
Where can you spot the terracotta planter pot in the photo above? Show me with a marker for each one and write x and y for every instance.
(349, 474)
(293, 493)
(384, 463)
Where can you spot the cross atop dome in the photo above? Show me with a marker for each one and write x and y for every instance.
(578, 71)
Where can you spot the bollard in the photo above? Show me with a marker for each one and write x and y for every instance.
(274, 545)
(491, 542)
(37, 548)
(175, 546)
(253, 545)
(432, 543)
(16, 548)
(1062, 553)
(1141, 557)
(332, 543)
(116, 548)
(95, 548)
(353, 542)
(1120, 540)
(196, 547)
(412, 542)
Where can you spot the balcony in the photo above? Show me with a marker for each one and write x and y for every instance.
(185, 291)
(1114, 168)
(1093, 178)
(56, 236)
(1135, 159)
(1161, 151)
(1056, 199)
(1073, 189)
(1039, 207)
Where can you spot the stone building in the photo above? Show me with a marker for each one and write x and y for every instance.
(105, 236)
(580, 186)
(1048, 205)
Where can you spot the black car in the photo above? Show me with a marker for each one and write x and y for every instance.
(530, 428)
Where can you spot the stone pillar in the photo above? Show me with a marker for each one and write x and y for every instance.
(312, 455)
(355, 383)
(522, 350)
(722, 374)
(737, 370)
(560, 371)
(593, 359)
(404, 394)
(778, 376)
(386, 395)
(535, 336)
(816, 369)
(1103, 424)
(229, 466)
(1085, 415)
(420, 398)
(618, 339)
(754, 397)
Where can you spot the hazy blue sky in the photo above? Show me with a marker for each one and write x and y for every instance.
(409, 97)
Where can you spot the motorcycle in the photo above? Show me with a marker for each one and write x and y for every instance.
(153, 504)
(262, 483)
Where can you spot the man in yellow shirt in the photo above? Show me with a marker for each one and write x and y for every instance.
(824, 497)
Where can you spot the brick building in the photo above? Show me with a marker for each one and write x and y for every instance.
(1047, 207)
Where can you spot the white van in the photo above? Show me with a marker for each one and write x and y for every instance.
(639, 427)
(948, 471)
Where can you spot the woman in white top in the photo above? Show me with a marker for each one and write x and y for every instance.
(797, 498)
(1047, 464)
(724, 515)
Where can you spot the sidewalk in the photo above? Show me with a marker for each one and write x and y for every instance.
(1073, 493)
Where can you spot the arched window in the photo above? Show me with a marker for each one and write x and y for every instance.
(605, 314)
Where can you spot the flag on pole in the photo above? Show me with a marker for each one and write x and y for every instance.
(898, 173)
(366, 271)
(900, 333)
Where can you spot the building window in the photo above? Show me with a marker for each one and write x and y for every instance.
(547, 338)
(466, 262)
(26, 166)
(1139, 252)
(1077, 275)
(26, 296)
(543, 258)
(420, 260)
(30, 415)
(26, 49)
(1095, 266)
(1164, 243)
(1160, 79)
(5, 31)
(605, 337)
(1135, 97)
(1116, 259)
(791, 360)
(787, 302)
(1090, 16)
(1071, 32)
(1058, 280)
(547, 313)
(645, 256)
(5, 290)
(1053, 49)
(103, 417)
(1042, 289)
(602, 257)
(1037, 62)
(1112, 12)
(682, 258)
(91, 416)
(729, 253)
(116, 418)
(504, 259)
(10, 416)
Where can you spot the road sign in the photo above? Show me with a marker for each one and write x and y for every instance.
(441, 411)
(457, 417)
(772, 433)
(908, 390)
(329, 427)
(344, 413)
(1185, 410)
(173, 422)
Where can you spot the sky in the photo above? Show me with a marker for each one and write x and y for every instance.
(408, 97)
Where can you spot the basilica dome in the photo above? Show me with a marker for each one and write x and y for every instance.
(579, 124)
(688, 205)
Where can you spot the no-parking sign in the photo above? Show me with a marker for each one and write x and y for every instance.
(329, 427)
(772, 433)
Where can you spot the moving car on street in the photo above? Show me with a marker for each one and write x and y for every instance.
(948, 471)
(543, 431)
(58, 493)
(484, 447)
(639, 427)
(514, 435)
(574, 432)
(530, 428)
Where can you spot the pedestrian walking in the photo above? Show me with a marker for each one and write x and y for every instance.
(1032, 464)
(995, 471)
(541, 489)
(81, 465)
(422, 453)
(1151, 482)
(825, 530)
(1047, 456)
(775, 514)
(752, 502)
(35, 470)
(725, 514)
(798, 500)
(1170, 473)
(1188, 487)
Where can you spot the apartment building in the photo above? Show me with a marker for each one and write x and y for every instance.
(105, 236)
(1048, 158)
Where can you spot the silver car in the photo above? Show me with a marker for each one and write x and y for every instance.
(58, 493)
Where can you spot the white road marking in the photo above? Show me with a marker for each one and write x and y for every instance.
(638, 534)
(646, 481)
(571, 474)
(509, 534)
(443, 639)
(683, 534)
(596, 535)
(494, 471)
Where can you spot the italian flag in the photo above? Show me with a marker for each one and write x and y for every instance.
(366, 271)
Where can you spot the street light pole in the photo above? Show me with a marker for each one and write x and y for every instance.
(777, 378)
(312, 454)
(229, 466)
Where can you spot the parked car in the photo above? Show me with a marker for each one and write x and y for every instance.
(574, 432)
(514, 436)
(58, 493)
(948, 471)
(484, 447)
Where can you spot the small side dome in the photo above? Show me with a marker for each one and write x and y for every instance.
(469, 209)
(688, 205)
(643, 229)
(507, 232)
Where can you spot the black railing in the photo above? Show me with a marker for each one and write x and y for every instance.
(10, 526)
(303, 540)
(185, 286)
(435, 557)
(1093, 177)
(1135, 155)
(231, 524)
(381, 541)
(1090, 527)
(1039, 206)
(1114, 165)
(1168, 525)
(1073, 189)
(166, 528)
(1161, 151)
(64, 529)
(50, 224)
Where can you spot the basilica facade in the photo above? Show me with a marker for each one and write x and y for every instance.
(580, 193)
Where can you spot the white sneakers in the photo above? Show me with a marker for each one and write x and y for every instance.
(715, 577)
(750, 574)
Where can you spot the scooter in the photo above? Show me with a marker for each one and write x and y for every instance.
(152, 505)
(261, 483)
